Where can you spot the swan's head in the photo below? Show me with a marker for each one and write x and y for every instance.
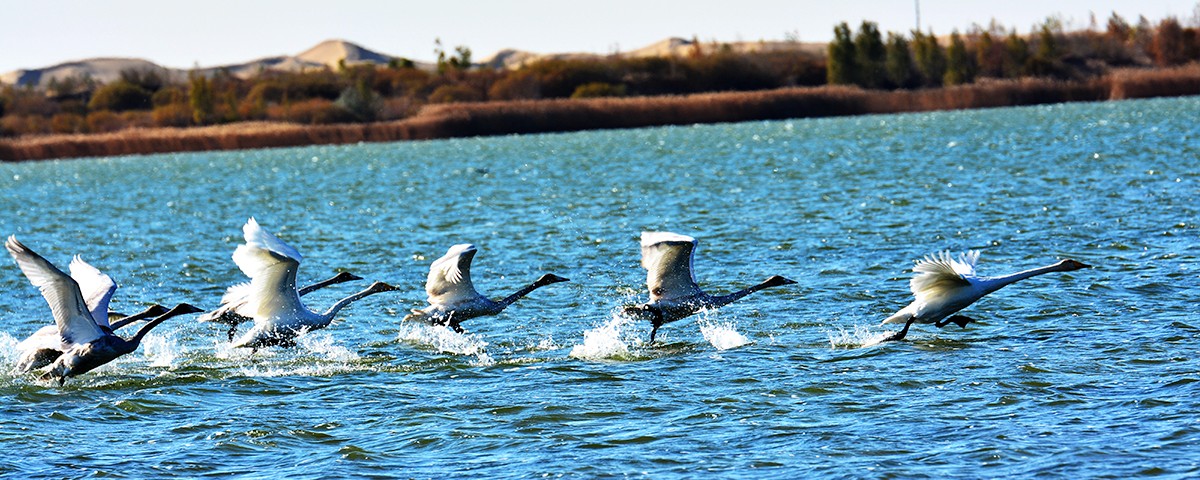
(550, 278)
(1071, 265)
(777, 280)
(182, 309)
(343, 277)
(378, 287)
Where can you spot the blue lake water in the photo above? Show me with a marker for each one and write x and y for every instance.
(1093, 373)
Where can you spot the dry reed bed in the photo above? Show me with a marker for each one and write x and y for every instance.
(537, 116)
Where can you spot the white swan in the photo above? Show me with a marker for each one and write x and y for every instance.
(452, 295)
(943, 285)
(234, 309)
(272, 299)
(674, 294)
(46, 344)
(82, 341)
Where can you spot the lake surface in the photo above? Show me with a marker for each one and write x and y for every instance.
(1087, 374)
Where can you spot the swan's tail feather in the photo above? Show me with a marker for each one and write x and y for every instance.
(416, 315)
(900, 317)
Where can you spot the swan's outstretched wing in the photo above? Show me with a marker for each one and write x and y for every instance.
(71, 315)
(96, 287)
(258, 237)
(939, 275)
(450, 276)
(236, 301)
(271, 266)
(667, 258)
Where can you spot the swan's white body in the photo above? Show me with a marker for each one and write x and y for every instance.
(78, 339)
(674, 294)
(235, 304)
(944, 285)
(271, 298)
(451, 293)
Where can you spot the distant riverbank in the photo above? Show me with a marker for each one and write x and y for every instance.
(541, 116)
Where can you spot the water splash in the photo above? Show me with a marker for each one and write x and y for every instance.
(160, 350)
(722, 335)
(860, 336)
(8, 349)
(606, 341)
(445, 340)
(325, 344)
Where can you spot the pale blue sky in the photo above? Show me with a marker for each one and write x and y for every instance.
(182, 34)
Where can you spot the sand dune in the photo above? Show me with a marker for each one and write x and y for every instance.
(327, 54)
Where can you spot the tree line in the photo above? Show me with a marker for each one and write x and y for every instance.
(921, 59)
(368, 92)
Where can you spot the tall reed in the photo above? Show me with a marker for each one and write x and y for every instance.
(537, 116)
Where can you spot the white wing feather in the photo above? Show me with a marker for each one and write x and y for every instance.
(61, 292)
(271, 266)
(939, 276)
(667, 258)
(449, 280)
(96, 287)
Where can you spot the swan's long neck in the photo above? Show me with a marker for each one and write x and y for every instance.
(509, 300)
(722, 300)
(336, 279)
(133, 342)
(329, 314)
(991, 284)
(142, 315)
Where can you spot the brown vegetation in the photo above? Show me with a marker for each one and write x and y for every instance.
(535, 116)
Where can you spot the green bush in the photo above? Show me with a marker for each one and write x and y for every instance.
(120, 96)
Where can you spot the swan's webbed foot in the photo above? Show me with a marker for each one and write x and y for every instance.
(898, 336)
(232, 331)
(655, 316)
(960, 320)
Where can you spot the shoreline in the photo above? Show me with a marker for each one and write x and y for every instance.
(456, 120)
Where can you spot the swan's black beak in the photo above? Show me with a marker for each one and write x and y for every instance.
(551, 278)
(383, 287)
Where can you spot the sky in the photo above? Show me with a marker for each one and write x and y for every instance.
(206, 33)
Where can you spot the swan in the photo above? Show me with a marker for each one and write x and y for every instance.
(271, 297)
(97, 288)
(236, 298)
(84, 344)
(674, 294)
(452, 295)
(46, 344)
(84, 357)
(944, 285)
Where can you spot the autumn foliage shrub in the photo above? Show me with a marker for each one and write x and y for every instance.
(172, 115)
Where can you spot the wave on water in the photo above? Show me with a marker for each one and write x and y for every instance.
(446, 340)
(860, 336)
(722, 335)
